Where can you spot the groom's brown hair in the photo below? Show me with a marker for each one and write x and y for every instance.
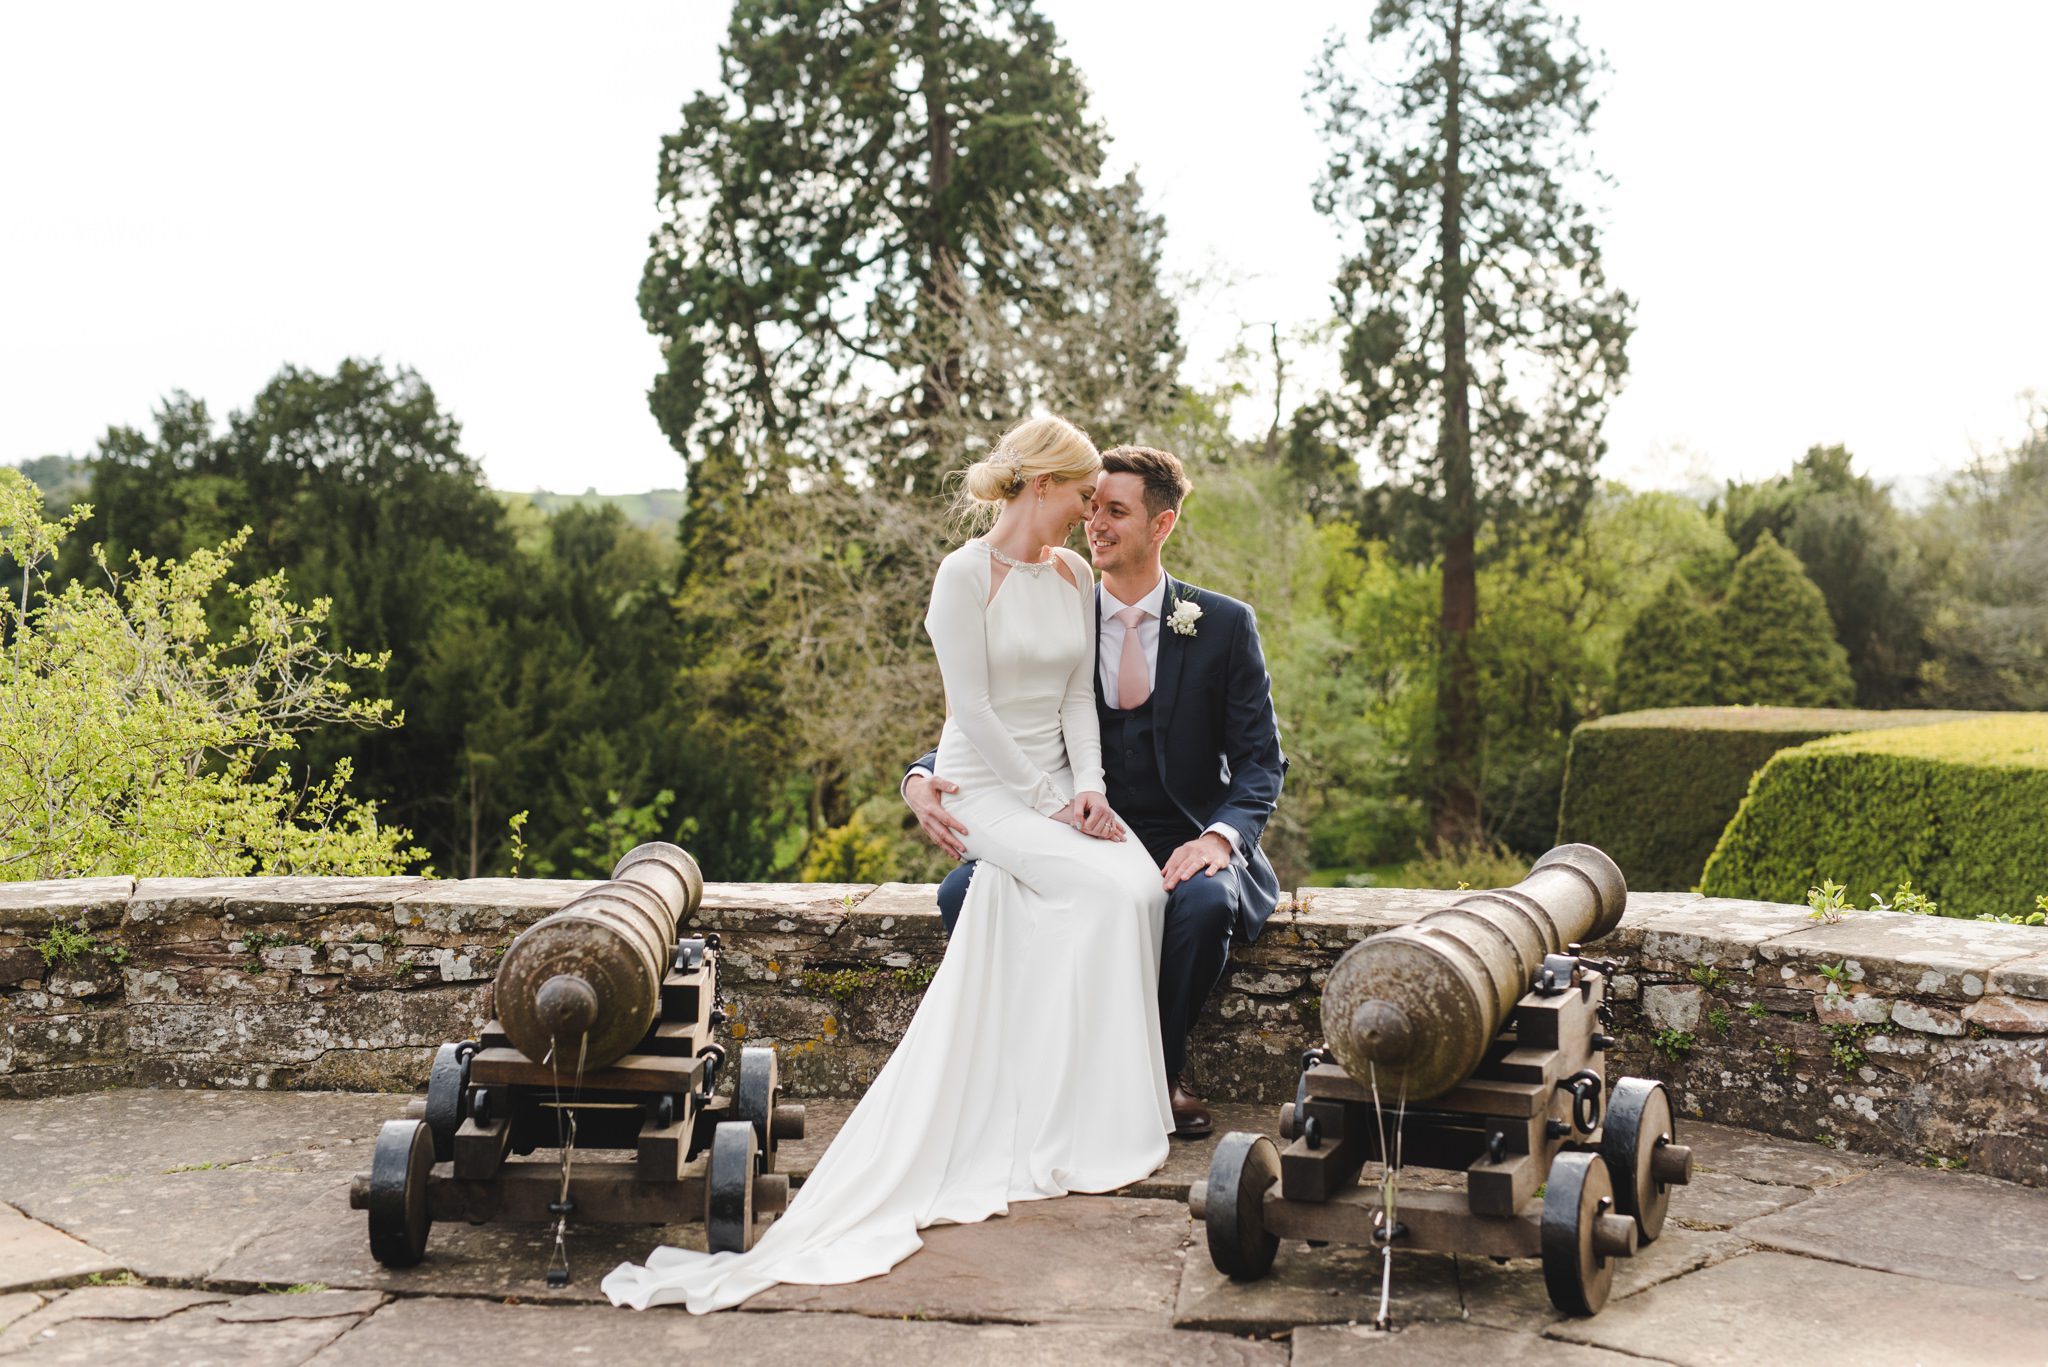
(1166, 480)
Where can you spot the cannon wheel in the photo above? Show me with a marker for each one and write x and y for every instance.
(1576, 1195)
(1638, 1123)
(1243, 1169)
(448, 1097)
(753, 1100)
(399, 1169)
(729, 1189)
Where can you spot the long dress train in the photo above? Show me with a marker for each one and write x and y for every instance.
(1032, 1067)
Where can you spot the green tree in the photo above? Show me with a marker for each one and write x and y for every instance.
(1859, 549)
(884, 234)
(1777, 645)
(135, 738)
(1986, 541)
(1667, 654)
(1483, 341)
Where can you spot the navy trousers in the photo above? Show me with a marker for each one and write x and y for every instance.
(1201, 917)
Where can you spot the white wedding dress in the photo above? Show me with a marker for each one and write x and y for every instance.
(1033, 1065)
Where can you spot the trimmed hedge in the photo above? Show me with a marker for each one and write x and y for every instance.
(1655, 789)
(1961, 809)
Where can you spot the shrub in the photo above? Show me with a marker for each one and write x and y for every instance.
(1777, 644)
(1667, 653)
(1656, 789)
(1961, 809)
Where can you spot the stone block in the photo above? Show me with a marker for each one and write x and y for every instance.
(29, 909)
(1890, 952)
(1430, 1345)
(2026, 977)
(496, 909)
(2009, 1015)
(1851, 1008)
(1928, 1020)
(205, 1332)
(1673, 1008)
(1715, 931)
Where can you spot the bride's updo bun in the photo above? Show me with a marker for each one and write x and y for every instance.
(1034, 447)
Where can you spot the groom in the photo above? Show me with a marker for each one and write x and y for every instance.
(1190, 749)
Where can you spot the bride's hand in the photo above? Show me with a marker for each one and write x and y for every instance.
(1089, 813)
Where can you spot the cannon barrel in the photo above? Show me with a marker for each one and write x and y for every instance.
(585, 982)
(1413, 1009)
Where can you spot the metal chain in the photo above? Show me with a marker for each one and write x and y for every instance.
(565, 1136)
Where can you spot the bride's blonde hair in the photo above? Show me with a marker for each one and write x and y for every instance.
(1036, 446)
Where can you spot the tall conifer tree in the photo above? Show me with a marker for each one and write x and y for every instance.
(1483, 341)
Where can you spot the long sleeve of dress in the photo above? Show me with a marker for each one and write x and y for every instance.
(957, 622)
(1078, 720)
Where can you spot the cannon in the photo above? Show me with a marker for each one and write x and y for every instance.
(1473, 1040)
(603, 1041)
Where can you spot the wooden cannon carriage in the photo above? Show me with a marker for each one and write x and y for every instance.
(603, 1042)
(1471, 1040)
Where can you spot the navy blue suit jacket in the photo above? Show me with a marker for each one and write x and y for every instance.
(1218, 740)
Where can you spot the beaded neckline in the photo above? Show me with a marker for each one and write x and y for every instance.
(1031, 566)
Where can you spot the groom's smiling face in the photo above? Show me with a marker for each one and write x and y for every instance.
(1122, 534)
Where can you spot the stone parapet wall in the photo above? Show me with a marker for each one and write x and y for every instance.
(1914, 1036)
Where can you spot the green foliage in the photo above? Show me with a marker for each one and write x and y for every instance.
(1957, 808)
(1845, 1044)
(1482, 340)
(1667, 654)
(1718, 1020)
(1776, 644)
(140, 737)
(1656, 789)
(843, 985)
(1827, 904)
(1468, 866)
(884, 235)
(1675, 1045)
(63, 945)
(1860, 551)
(1835, 973)
(1707, 976)
(1756, 1011)
(1908, 899)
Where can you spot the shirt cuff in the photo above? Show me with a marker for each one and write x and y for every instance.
(1229, 833)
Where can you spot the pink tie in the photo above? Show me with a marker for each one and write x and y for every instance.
(1133, 681)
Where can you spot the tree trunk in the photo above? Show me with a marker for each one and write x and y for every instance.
(939, 389)
(1454, 818)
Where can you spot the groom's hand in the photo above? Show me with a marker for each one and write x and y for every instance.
(941, 827)
(1206, 853)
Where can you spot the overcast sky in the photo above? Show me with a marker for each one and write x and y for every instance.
(1831, 214)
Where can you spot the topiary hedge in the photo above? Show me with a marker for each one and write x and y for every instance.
(1655, 789)
(1961, 809)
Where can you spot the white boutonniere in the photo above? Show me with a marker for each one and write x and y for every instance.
(1186, 612)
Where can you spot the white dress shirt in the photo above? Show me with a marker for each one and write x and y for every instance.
(1109, 653)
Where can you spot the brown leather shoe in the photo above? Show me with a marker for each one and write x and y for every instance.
(1191, 1118)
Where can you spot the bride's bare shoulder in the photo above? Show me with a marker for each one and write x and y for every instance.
(1074, 568)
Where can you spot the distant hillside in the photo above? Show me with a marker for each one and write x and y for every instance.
(658, 510)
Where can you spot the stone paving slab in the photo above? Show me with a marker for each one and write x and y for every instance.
(98, 1136)
(32, 1254)
(324, 1241)
(85, 1328)
(1941, 1226)
(1773, 1307)
(1430, 1345)
(1719, 1200)
(17, 1304)
(469, 1331)
(1092, 1258)
(1767, 1158)
(1341, 1285)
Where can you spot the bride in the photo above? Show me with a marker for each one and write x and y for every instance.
(1032, 1066)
